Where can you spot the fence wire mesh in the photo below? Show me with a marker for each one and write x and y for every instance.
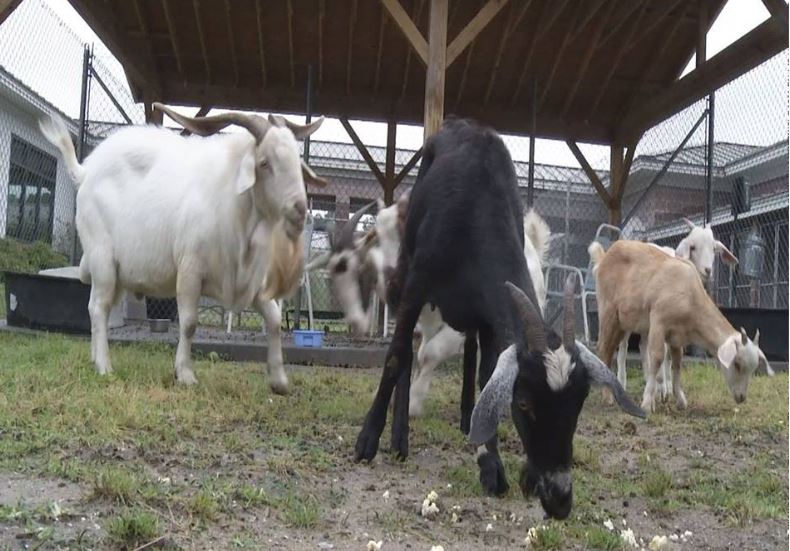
(42, 71)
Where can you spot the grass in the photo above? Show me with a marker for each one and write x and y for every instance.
(161, 460)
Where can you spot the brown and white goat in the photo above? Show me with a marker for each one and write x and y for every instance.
(643, 290)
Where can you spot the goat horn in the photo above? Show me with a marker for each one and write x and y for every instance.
(310, 177)
(344, 237)
(744, 336)
(530, 318)
(689, 223)
(206, 126)
(569, 314)
(300, 131)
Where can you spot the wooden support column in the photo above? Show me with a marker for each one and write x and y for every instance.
(434, 78)
(151, 116)
(616, 175)
(389, 166)
(6, 7)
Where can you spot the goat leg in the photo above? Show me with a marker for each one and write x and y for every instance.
(400, 415)
(468, 389)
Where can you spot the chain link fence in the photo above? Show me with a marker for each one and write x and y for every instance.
(44, 68)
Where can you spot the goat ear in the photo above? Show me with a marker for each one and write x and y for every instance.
(245, 177)
(683, 250)
(300, 131)
(763, 361)
(726, 256)
(599, 373)
(727, 352)
(756, 339)
(495, 398)
(311, 178)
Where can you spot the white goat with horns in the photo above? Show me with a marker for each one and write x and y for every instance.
(164, 215)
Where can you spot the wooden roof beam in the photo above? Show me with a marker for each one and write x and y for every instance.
(261, 53)
(171, 30)
(233, 60)
(591, 47)
(290, 12)
(590, 15)
(408, 28)
(408, 166)
(352, 21)
(377, 74)
(202, 39)
(473, 28)
(374, 168)
(464, 74)
(631, 8)
(435, 73)
(656, 20)
(407, 64)
(746, 53)
(591, 174)
(778, 11)
(510, 27)
(557, 58)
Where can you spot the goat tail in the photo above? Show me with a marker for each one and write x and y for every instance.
(537, 231)
(596, 253)
(54, 130)
(286, 264)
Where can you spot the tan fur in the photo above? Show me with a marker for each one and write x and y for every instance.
(286, 262)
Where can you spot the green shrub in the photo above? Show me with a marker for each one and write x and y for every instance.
(16, 256)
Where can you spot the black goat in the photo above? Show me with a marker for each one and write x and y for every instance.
(463, 251)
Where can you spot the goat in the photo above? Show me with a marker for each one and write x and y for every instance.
(348, 262)
(164, 215)
(700, 248)
(462, 250)
(640, 288)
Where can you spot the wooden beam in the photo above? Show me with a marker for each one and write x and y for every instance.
(290, 12)
(464, 73)
(374, 168)
(379, 50)
(657, 20)
(408, 28)
(171, 31)
(140, 71)
(509, 28)
(627, 162)
(417, 9)
(590, 15)
(321, 15)
(232, 43)
(702, 33)
(408, 166)
(202, 39)
(616, 59)
(746, 53)
(352, 21)
(588, 170)
(261, 55)
(548, 15)
(631, 8)
(590, 49)
(473, 28)
(389, 163)
(546, 85)
(778, 11)
(434, 78)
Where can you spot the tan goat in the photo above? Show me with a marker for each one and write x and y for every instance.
(640, 289)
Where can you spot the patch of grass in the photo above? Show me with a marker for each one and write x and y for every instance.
(17, 256)
(116, 484)
(657, 483)
(601, 538)
(548, 537)
(204, 505)
(299, 511)
(586, 455)
(133, 528)
(251, 496)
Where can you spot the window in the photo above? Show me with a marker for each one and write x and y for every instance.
(31, 192)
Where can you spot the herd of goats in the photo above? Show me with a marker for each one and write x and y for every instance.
(222, 215)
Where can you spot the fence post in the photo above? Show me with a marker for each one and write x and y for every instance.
(81, 135)
(308, 119)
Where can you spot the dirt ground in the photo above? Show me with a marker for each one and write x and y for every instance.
(133, 460)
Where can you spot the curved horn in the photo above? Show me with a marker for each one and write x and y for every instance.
(569, 313)
(530, 318)
(300, 131)
(344, 237)
(310, 177)
(689, 223)
(600, 374)
(206, 126)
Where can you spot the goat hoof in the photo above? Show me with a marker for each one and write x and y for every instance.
(367, 445)
(279, 387)
(400, 444)
(186, 378)
(492, 475)
(466, 423)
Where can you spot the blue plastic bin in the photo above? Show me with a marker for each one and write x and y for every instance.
(308, 339)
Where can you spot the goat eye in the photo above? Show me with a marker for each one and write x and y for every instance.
(691, 248)
(526, 407)
(263, 164)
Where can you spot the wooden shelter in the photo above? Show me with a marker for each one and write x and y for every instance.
(597, 71)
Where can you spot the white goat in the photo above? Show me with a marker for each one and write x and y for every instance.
(163, 215)
(642, 289)
(377, 253)
(700, 248)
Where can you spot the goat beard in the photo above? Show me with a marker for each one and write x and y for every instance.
(286, 263)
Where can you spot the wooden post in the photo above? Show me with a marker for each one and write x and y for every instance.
(616, 175)
(434, 78)
(389, 165)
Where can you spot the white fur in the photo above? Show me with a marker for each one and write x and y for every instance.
(163, 215)
(558, 368)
